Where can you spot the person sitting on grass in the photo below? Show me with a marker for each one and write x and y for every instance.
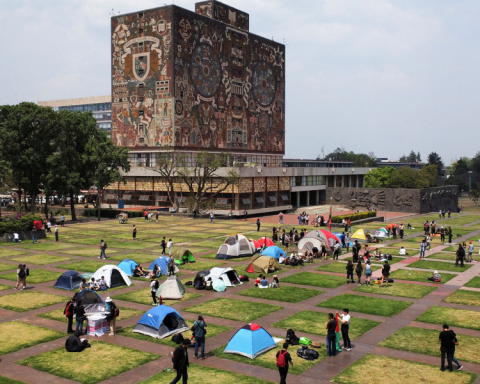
(436, 277)
(281, 259)
(103, 284)
(75, 344)
(409, 226)
(376, 253)
(402, 252)
(258, 280)
(275, 282)
(155, 272)
(144, 273)
(263, 283)
(93, 285)
(83, 284)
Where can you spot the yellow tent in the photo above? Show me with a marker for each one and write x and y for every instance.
(361, 236)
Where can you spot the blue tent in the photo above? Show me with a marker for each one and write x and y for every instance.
(162, 262)
(160, 322)
(218, 285)
(273, 251)
(127, 266)
(250, 341)
(69, 280)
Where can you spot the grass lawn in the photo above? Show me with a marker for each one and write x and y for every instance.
(212, 330)
(58, 315)
(7, 267)
(209, 243)
(233, 309)
(99, 363)
(461, 220)
(395, 251)
(374, 369)
(337, 266)
(268, 360)
(315, 279)
(442, 256)
(199, 373)
(140, 258)
(133, 245)
(143, 296)
(30, 335)
(87, 252)
(407, 245)
(413, 291)
(365, 304)
(85, 265)
(314, 323)
(209, 255)
(6, 252)
(200, 265)
(41, 259)
(462, 296)
(4, 287)
(285, 293)
(6, 380)
(454, 317)
(405, 274)
(44, 245)
(91, 240)
(440, 265)
(36, 276)
(426, 342)
(22, 301)
(473, 283)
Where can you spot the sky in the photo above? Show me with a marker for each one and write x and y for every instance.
(375, 76)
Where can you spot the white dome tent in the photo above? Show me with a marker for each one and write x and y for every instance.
(236, 245)
(228, 275)
(114, 276)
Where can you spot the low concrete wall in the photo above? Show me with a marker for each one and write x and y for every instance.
(397, 200)
(23, 235)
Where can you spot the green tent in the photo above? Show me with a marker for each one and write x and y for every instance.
(184, 257)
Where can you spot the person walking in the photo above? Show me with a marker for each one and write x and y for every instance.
(103, 247)
(134, 232)
(34, 236)
(394, 232)
(401, 229)
(337, 249)
(170, 247)
(446, 339)
(450, 235)
(259, 223)
(199, 333)
(385, 273)
(331, 326)
(359, 271)
(428, 240)
(112, 317)
(163, 244)
(283, 361)
(455, 343)
(21, 277)
(68, 312)
(154, 285)
(345, 328)
(349, 269)
(442, 235)
(62, 219)
(280, 218)
(470, 252)
(423, 247)
(180, 362)
(212, 216)
(460, 255)
(56, 232)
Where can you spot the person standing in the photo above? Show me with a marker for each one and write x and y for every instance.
(336, 250)
(442, 235)
(460, 255)
(259, 223)
(56, 232)
(355, 250)
(349, 224)
(180, 362)
(199, 332)
(446, 339)
(171, 266)
(80, 317)
(62, 219)
(212, 216)
(394, 232)
(331, 327)
(49, 226)
(401, 229)
(349, 269)
(359, 271)
(146, 214)
(230, 215)
(21, 277)
(134, 231)
(156, 215)
(440, 213)
(300, 219)
(449, 214)
(103, 247)
(245, 214)
(34, 236)
(283, 361)
(170, 247)
(470, 252)
(423, 247)
(68, 312)
(112, 317)
(347, 241)
(368, 272)
(344, 328)
(385, 272)
(455, 343)
(429, 244)
(450, 235)
(163, 244)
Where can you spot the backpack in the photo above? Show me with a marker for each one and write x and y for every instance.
(281, 362)
(157, 284)
(22, 274)
(178, 338)
(189, 283)
(244, 278)
(305, 341)
(117, 312)
(307, 354)
(67, 311)
(358, 269)
(27, 271)
(105, 245)
(291, 338)
(389, 257)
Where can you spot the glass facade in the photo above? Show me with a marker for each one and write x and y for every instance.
(297, 181)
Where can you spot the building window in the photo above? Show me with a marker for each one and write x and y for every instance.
(140, 14)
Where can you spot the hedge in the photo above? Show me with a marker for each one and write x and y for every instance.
(354, 217)
(11, 223)
(110, 213)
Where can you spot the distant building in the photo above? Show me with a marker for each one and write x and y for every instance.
(384, 162)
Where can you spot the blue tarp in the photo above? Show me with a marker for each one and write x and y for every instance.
(162, 262)
(250, 341)
(69, 280)
(274, 252)
(127, 266)
(218, 285)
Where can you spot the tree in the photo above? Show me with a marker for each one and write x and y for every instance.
(108, 161)
(474, 195)
(411, 158)
(406, 177)
(461, 166)
(27, 133)
(429, 174)
(419, 159)
(435, 159)
(379, 177)
(358, 159)
(205, 177)
(476, 162)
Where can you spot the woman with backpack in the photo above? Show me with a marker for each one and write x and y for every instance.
(283, 360)
(154, 285)
(21, 277)
(199, 333)
(112, 317)
(359, 272)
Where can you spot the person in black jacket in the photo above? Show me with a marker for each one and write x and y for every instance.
(80, 317)
(460, 255)
(74, 344)
(180, 362)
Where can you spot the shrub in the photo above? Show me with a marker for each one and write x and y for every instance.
(18, 222)
(354, 217)
(110, 213)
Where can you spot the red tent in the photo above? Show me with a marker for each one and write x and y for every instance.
(330, 235)
(250, 269)
(265, 240)
(255, 243)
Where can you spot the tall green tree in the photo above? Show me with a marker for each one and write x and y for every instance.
(27, 139)
(109, 164)
(406, 177)
(358, 159)
(379, 177)
(461, 166)
(435, 159)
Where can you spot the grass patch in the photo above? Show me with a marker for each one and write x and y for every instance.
(7, 267)
(413, 291)
(100, 363)
(339, 267)
(143, 296)
(87, 252)
(233, 309)
(462, 296)
(58, 315)
(213, 330)
(200, 265)
(383, 369)
(6, 380)
(46, 246)
(285, 293)
(315, 280)
(209, 256)
(405, 274)
(4, 287)
(140, 258)
(454, 317)
(85, 265)
(133, 245)
(90, 240)
(426, 342)
(314, 323)
(198, 373)
(23, 301)
(407, 245)
(210, 243)
(268, 360)
(365, 304)
(37, 276)
(442, 256)
(41, 259)
(440, 265)
(7, 252)
(462, 220)
(30, 335)
(473, 283)
(396, 251)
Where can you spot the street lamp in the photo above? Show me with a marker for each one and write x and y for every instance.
(470, 180)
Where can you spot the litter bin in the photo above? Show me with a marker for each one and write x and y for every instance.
(121, 204)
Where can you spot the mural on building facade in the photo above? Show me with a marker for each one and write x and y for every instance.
(184, 80)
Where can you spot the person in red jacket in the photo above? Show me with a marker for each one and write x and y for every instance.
(69, 314)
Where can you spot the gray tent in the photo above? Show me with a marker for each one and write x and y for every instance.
(171, 289)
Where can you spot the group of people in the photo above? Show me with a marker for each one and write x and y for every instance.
(94, 285)
(262, 282)
(463, 254)
(296, 259)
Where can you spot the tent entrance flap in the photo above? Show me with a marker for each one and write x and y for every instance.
(116, 279)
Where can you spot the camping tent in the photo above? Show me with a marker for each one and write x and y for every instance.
(114, 276)
(185, 256)
(236, 245)
(162, 262)
(160, 322)
(274, 252)
(218, 285)
(91, 300)
(203, 273)
(362, 236)
(256, 244)
(265, 264)
(127, 266)
(329, 235)
(171, 289)
(228, 275)
(265, 241)
(250, 341)
(381, 233)
(69, 280)
(314, 239)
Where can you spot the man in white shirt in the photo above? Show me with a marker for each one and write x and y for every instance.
(345, 327)
(170, 246)
(16, 238)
